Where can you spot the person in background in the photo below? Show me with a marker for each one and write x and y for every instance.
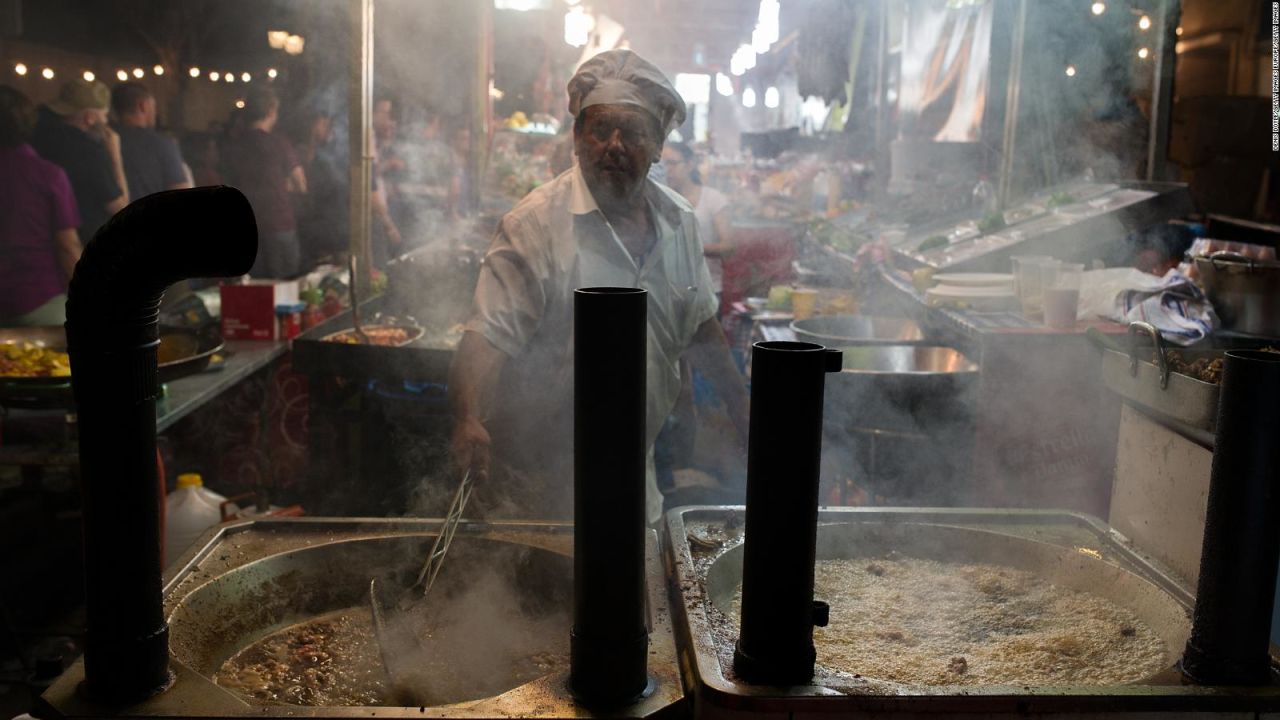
(602, 223)
(201, 150)
(263, 165)
(324, 214)
(72, 132)
(39, 245)
(1159, 248)
(152, 162)
(710, 207)
(387, 169)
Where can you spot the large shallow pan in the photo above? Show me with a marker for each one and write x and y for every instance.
(847, 330)
(182, 352)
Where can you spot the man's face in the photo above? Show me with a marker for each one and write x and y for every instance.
(674, 162)
(615, 147)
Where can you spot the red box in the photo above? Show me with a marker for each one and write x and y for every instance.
(249, 309)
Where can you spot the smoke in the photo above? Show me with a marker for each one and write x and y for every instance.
(497, 617)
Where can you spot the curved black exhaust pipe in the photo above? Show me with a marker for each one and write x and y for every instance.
(112, 334)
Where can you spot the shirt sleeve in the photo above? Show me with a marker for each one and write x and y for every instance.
(65, 213)
(510, 297)
(103, 187)
(171, 160)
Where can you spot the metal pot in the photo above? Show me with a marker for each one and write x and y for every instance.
(1245, 292)
(842, 330)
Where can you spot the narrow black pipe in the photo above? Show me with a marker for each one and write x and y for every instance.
(609, 644)
(1231, 626)
(784, 449)
(112, 334)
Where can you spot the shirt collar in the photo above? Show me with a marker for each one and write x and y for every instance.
(582, 202)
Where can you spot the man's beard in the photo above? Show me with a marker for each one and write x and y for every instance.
(615, 188)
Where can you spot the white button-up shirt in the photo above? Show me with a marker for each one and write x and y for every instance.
(555, 241)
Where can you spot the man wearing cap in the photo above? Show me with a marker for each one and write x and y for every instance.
(601, 223)
(73, 133)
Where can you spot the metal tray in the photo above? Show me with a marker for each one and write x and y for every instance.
(1073, 538)
(55, 392)
(421, 360)
(244, 579)
(1154, 387)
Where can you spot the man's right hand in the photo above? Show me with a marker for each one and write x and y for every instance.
(469, 449)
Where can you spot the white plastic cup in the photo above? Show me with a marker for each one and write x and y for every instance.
(1028, 283)
(1062, 294)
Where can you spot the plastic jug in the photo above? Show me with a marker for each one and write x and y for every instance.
(189, 511)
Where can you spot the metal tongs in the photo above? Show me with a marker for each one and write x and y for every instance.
(392, 660)
(435, 560)
(355, 302)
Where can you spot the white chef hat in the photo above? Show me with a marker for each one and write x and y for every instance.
(621, 77)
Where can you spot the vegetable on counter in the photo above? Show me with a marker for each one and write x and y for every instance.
(932, 242)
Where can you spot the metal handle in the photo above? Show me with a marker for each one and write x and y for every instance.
(1144, 328)
(1229, 256)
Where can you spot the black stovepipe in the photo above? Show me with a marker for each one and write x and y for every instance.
(1231, 625)
(784, 449)
(112, 335)
(609, 643)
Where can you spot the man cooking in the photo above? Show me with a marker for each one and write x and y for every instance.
(600, 223)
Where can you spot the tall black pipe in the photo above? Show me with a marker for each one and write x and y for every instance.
(1231, 626)
(112, 334)
(609, 643)
(784, 449)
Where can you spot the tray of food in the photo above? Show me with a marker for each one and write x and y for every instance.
(1180, 384)
(389, 334)
(35, 370)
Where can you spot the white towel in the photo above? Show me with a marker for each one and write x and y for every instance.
(1175, 305)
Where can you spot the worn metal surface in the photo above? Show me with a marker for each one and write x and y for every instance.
(842, 330)
(248, 579)
(1070, 549)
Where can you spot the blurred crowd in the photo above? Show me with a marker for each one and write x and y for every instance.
(66, 167)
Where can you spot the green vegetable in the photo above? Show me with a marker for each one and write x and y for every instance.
(932, 242)
(991, 223)
(1061, 198)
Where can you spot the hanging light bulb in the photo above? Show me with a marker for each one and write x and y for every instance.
(271, 73)
(122, 76)
(724, 85)
(194, 72)
(1143, 53)
(215, 76)
(88, 76)
(1071, 71)
(139, 73)
(749, 98)
(772, 98)
(1144, 23)
(47, 73)
(20, 68)
(1098, 8)
(158, 69)
(245, 77)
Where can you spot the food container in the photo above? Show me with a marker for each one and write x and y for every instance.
(1244, 291)
(842, 330)
(1153, 386)
(289, 320)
